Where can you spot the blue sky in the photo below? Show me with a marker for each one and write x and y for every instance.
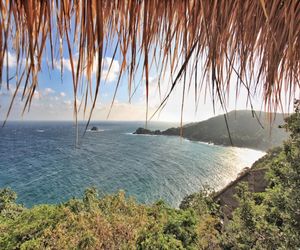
(54, 96)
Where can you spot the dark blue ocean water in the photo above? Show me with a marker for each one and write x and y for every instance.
(39, 161)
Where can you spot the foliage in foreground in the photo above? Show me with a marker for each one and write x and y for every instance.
(268, 220)
(271, 220)
(110, 222)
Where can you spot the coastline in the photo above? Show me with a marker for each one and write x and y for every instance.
(203, 142)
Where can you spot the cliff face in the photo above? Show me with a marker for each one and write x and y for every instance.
(245, 130)
(256, 182)
(255, 177)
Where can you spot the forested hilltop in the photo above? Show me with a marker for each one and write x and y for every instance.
(246, 130)
(262, 220)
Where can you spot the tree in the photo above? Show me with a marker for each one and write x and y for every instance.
(271, 220)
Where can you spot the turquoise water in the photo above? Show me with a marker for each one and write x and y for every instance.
(39, 161)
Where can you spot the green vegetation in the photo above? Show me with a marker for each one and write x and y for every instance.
(271, 220)
(267, 220)
(245, 130)
(268, 160)
(109, 222)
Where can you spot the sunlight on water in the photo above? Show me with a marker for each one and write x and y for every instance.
(45, 167)
(248, 156)
(239, 159)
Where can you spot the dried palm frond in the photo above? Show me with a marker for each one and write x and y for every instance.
(256, 40)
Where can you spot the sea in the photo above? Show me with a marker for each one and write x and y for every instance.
(42, 164)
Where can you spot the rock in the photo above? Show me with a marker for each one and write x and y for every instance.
(171, 131)
(144, 131)
(94, 129)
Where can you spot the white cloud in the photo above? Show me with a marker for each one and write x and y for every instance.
(113, 74)
(66, 64)
(68, 102)
(12, 60)
(121, 111)
(60, 105)
(110, 75)
(48, 91)
(11, 91)
(36, 95)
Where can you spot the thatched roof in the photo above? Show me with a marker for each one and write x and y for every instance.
(257, 41)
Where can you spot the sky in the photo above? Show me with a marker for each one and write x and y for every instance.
(53, 99)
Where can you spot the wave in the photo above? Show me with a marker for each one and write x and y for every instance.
(95, 131)
(208, 143)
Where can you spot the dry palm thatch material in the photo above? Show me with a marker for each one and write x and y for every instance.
(257, 41)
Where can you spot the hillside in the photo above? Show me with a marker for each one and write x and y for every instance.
(245, 130)
(256, 177)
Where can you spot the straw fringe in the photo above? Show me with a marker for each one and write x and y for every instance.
(257, 40)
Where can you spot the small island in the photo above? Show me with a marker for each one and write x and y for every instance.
(94, 129)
